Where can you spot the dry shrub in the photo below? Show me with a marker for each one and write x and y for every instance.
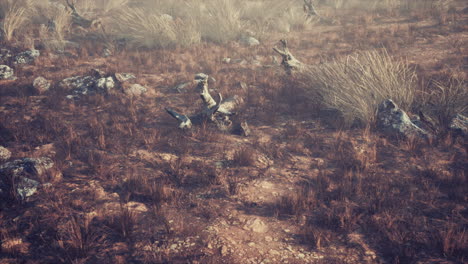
(244, 157)
(14, 18)
(152, 29)
(357, 84)
(447, 99)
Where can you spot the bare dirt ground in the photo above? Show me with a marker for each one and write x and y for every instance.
(129, 187)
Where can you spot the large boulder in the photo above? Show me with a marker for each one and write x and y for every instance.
(459, 125)
(20, 172)
(7, 73)
(394, 122)
(26, 57)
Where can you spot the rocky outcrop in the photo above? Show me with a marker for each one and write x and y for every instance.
(26, 57)
(395, 123)
(18, 173)
(99, 82)
(7, 73)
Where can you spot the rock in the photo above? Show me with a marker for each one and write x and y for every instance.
(224, 251)
(18, 170)
(459, 125)
(226, 60)
(245, 130)
(5, 55)
(394, 122)
(180, 88)
(250, 41)
(41, 84)
(78, 84)
(124, 77)
(26, 57)
(300, 255)
(105, 84)
(135, 90)
(5, 154)
(106, 53)
(6, 73)
(201, 76)
(26, 187)
(97, 73)
(256, 225)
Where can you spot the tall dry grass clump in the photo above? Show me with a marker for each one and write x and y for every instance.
(152, 29)
(357, 84)
(448, 99)
(14, 17)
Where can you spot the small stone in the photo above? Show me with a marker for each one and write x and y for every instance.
(174, 246)
(251, 244)
(300, 255)
(224, 251)
(5, 154)
(124, 77)
(105, 84)
(250, 41)
(268, 239)
(41, 84)
(7, 73)
(226, 60)
(273, 252)
(256, 225)
(135, 90)
(26, 56)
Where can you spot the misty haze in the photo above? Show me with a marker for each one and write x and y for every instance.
(233, 131)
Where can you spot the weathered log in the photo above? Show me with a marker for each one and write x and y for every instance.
(289, 62)
(218, 112)
(80, 21)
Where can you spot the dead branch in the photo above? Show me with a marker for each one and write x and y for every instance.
(217, 112)
(80, 21)
(289, 62)
(310, 9)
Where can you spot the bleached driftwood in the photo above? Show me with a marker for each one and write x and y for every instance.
(80, 21)
(309, 8)
(289, 62)
(217, 112)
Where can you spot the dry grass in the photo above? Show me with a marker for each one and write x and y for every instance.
(14, 19)
(357, 84)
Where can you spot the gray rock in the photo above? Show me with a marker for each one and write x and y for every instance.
(26, 57)
(41, 84)
(250, 41)
(78, 84)
(256, 225)
(105, 84)
(7, 73)
(5, 55)
(106, 53)
(124, 77)
(394, 122)
(20, 171)
(459, 125)
(26, 187)
(5, 154)
(180, 88)
(135, 90)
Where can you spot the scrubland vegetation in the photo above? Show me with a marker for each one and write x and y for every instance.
(314, 182)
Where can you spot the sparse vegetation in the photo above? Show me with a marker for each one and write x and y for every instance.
(128, 186)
